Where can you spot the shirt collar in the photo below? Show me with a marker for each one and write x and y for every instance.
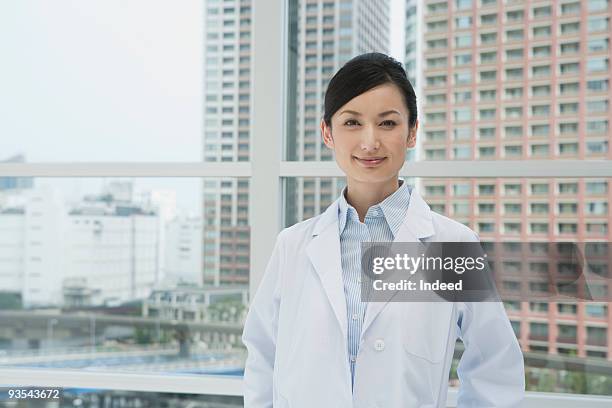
(393, 208)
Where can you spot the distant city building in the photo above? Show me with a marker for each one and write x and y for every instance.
(328, 34)
(183, 250)
(99, 252)
(521, 81)
(15, 183)
(198, 304)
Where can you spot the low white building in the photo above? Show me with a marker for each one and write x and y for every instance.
(183, 252)
(101, 251)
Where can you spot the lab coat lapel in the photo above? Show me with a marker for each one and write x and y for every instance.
(417, 224)
(324, 254)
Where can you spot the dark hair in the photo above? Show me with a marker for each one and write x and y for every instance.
(362, 73)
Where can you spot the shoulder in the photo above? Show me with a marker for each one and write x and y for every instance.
(450, 230)
(300, 232)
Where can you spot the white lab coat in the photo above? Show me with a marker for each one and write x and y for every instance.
(296, 332)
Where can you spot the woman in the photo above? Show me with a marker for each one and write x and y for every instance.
(312, 342)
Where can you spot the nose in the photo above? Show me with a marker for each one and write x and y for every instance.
(369, 140)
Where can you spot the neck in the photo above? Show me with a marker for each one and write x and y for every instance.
(364, 195)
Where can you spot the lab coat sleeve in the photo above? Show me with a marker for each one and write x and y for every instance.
(491, 371)
(259, 335)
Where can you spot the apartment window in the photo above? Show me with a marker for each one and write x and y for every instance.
(512, 227)
(539, 208)
(570, 8)
(568, 208)
(514, 35)
(435, 154)
(435, 190)
(540, 110)
(486, 208)
(488, 57)
(512, 132)
(568, 148)
(462, 133)
(596, 187)
(597, 65)
(464, 96)
(570, 28)
(486, 133)
(433, 8)
(597, 85)
(436, 25)
(512, 208)
(539, 149)
(539, 188)
(596, 310)
(568, 188)
(488, 38)
(488, 19)
(487, 114)
(570, 88)
(437, 44)
(486, 152)
(462, 152)
(595, 24)
(541, 32)
(514, 112)
(463, 4)
(488, 95)
(540, 130)
(567, 227)
(598, 5)
(435, 135)
(514, 16)
(437, 80)
(570, 128)
(436, 99)
(488, 75)
(464, 40)
(540, 90)
(463, 22)
(486, 189)
(569, 107)
(461, 189)
(597, 126)
(542, 12)
(571, 68)
(541, 51)
(439, 62)
(597, 147)
(463, 59)
(598, 44)
(485, 227)
(463, 78)
(541, 71)
(570, 48)
(513, 55)
(463, 114)
(596, 208)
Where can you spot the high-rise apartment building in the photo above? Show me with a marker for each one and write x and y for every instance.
(324, 34)
(523, 80)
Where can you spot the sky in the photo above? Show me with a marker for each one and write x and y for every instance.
(108, 80)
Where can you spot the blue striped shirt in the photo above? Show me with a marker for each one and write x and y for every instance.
(381, 223)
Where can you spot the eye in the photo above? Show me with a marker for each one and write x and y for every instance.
(388, 123)
(351, 122)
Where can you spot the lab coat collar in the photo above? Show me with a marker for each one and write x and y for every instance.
(324, 253)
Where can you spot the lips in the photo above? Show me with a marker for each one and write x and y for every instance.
(370, 161)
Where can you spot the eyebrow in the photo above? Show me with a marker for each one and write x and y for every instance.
(383, 114)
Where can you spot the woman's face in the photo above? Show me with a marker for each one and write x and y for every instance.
(370, 135)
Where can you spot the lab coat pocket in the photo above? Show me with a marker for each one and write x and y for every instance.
(427, 329)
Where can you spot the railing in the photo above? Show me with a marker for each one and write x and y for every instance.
(230, 386)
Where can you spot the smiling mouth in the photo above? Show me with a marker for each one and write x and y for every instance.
(370, 161)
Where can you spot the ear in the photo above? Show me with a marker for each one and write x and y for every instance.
(412, 135)
(326, 135)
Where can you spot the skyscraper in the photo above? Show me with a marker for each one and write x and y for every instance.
(323, 35)
(523, 80)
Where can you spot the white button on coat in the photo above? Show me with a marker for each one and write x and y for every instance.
(379, 345)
